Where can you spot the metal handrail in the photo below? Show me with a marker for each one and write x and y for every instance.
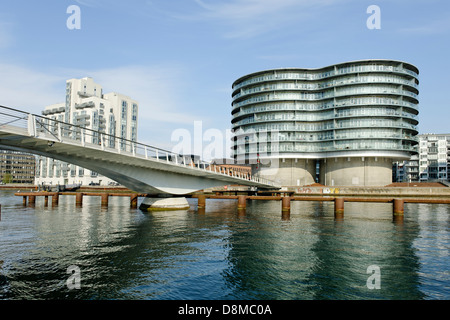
(63, 130)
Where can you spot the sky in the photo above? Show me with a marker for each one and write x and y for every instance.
(179, 58)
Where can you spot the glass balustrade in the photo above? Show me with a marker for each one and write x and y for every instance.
(305, 74)
(304, 96)
(299, 86)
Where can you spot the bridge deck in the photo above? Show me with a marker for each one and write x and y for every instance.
(139, 167)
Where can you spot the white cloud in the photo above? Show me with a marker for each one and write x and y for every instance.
(248, 18)
(29, 90)
(158, 89)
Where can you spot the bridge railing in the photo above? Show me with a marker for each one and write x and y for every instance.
(55, 130)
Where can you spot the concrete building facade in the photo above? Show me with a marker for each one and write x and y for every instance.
(349, 122)
(17, 167)
(86, 106)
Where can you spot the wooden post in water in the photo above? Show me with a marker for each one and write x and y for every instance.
(398, 210)
(339, 208)
(55, 199)
(105, 197)
(79, 199)
(45, 201)
(31, 200)
(133, 201)
(242, 202)
(285, 208)
(24, 201)
(201, 201)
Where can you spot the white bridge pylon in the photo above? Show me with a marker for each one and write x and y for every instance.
(137, 166)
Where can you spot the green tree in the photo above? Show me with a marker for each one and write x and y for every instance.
(7, 178)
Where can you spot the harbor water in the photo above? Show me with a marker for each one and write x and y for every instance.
(118, 252)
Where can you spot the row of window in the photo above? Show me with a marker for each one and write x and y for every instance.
(328, 125)
(321, 147)
(329, 84)
(311, 96)
(317, 75)
(315, 106)
(353, 112)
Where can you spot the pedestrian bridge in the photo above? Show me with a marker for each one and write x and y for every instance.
(137, 166)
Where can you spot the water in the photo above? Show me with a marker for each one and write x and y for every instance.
(123, 253)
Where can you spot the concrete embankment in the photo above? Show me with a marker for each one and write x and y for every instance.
(371, 192)
(416, 190)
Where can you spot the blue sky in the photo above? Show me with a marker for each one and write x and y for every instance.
(179, 58)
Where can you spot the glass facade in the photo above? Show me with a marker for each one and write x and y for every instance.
(369, 105)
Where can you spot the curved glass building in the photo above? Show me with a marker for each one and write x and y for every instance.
(344, 123)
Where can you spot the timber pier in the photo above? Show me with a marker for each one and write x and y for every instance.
(339, 202)
(29, 198)
(339, 196)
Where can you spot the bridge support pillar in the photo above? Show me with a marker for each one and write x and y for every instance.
(24, 200)
(164, 204)
(398, 210)
(339, 208)
(45, 201)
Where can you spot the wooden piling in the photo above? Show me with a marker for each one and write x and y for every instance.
(79, 199)
(398, 209)
(55, 199)
(286, 204)
(285, 208)
(24, 200)
(201, 201)
(133, 201)
(242, 202)
(105, 197)
(339, 208)
(45, 201)
(31, 200)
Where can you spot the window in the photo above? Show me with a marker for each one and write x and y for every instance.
(124, 109)
(134, 112)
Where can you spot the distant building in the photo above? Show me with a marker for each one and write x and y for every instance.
(86, 106)
(17, 167)
(431, 164)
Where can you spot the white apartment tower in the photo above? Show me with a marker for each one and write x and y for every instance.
(434, 157)
(86, 106)
(432, 163)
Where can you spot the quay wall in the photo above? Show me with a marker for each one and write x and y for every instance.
(429, 192)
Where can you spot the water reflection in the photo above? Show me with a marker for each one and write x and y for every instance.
(222, 253)
(317, 257)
